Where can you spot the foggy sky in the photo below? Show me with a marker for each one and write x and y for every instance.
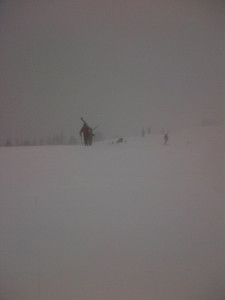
(121, 65)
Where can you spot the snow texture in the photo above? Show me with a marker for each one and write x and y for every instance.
(130, 221)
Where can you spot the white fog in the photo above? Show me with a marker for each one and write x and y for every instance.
(142, 219)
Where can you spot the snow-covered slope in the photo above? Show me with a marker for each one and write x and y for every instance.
(130, 221)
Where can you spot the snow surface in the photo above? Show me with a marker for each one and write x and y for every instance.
(131, 221)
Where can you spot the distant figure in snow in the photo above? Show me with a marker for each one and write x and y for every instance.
(165, 138)
(149, 130)
(85, 130)
(143, 132)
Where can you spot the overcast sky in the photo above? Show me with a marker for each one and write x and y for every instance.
(119, 64)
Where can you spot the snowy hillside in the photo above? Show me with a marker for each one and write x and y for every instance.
(130, 221)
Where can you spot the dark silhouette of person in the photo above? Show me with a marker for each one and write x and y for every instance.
(165, 138)
(85, 130)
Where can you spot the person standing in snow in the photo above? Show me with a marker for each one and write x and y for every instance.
(165, 138)
(85, 130)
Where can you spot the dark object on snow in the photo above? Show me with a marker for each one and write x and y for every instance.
(165, 138)
(85, 131)
(120, 140)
